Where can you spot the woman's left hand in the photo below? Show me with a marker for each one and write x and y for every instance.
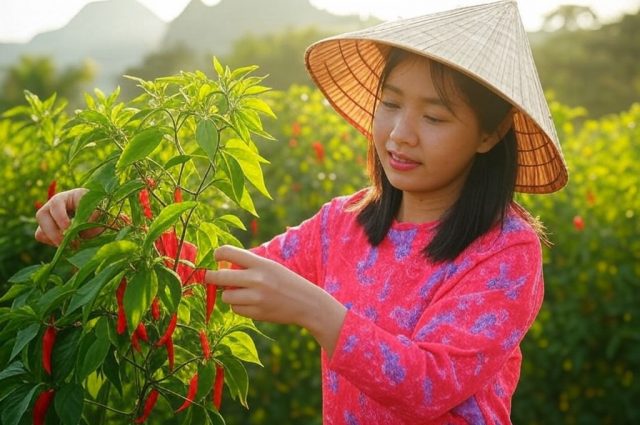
(267, 291)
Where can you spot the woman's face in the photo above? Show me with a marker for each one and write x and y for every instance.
(425, 148)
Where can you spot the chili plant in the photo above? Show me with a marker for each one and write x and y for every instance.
(120, 327)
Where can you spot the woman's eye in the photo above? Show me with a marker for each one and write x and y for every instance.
(389, 105)
(433, 119)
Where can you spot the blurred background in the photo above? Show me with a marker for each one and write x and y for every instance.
(582, 356)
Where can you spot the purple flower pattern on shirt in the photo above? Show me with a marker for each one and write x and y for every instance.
(470, 411)
(364, 267)
(332, 381)
(402, 240)
(406, 318)
(290, 246)
(486, 324)
(433, 325)
(511, 287)
(391, 367)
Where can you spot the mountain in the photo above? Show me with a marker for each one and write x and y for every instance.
(213, 29)
(114, 34)
(118, 34)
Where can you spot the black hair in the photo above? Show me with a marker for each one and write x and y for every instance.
(488, 190)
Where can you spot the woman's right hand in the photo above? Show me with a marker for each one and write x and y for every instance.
(55, 216)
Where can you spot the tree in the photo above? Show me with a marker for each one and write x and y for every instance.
(570, 17)
(280, 55)
(40, 76)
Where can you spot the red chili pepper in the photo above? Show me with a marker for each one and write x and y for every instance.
(37, 205)
(151, 183)
(51, 190)
(170, 353)
(141, 331)
(191, 393)
(169, 332)
(218, 386)
(122, 318)
(143, 197)
(212, 292)
(204, 342)
(48, 340)
(152, 398)
(155, 309)
(177, 195)
(41, 406)
(254, 227)
(134, 342)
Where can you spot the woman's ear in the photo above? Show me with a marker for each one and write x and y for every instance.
(489, 140)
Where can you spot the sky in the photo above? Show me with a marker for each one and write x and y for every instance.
(20, 20)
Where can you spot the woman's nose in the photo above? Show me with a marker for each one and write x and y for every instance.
(404, 129)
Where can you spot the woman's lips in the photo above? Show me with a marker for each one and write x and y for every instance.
(401, 162)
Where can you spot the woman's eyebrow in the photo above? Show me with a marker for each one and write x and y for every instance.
(429, 100)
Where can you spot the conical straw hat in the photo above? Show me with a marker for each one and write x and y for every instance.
(486, 42)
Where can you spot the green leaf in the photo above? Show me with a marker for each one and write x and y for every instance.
(169, 288)
(177, 160)
(218, 67)
(86, 295)
(88, 204)
(111, 370)
(236, 379)
(206, 376)
(232, 220)
(68, 402)
(141, 289)
(93, 357)
(63, 358)
(23, 338)
(235, 174)
(103, 178)
(258, 105)
(249, 162)
(141, 145)
(53, 298)
(81, 258)
(23, 275)
(165, 219)
(127, 189)
(94, 117)
(208, 138)
(242, 347)
(245, 202)
(15, 406)
(14, 369)
(14, 291)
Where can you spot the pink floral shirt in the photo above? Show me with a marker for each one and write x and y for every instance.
(422, 342)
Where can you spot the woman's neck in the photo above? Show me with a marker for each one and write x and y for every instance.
(418, 208)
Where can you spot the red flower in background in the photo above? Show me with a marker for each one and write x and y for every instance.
(295, 129)
(319, 150)
(578, 223)
(167, 245)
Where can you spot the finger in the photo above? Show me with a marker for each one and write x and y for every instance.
(58, 211)
(237, 256)
(227, 277)
(240, 297)
(247, 311)
(49, 227)
(42, 237)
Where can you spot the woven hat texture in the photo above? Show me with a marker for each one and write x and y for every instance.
(486, 42)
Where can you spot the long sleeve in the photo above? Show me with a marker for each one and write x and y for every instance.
(422, 342)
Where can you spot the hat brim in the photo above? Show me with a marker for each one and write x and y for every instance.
(347, 71)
